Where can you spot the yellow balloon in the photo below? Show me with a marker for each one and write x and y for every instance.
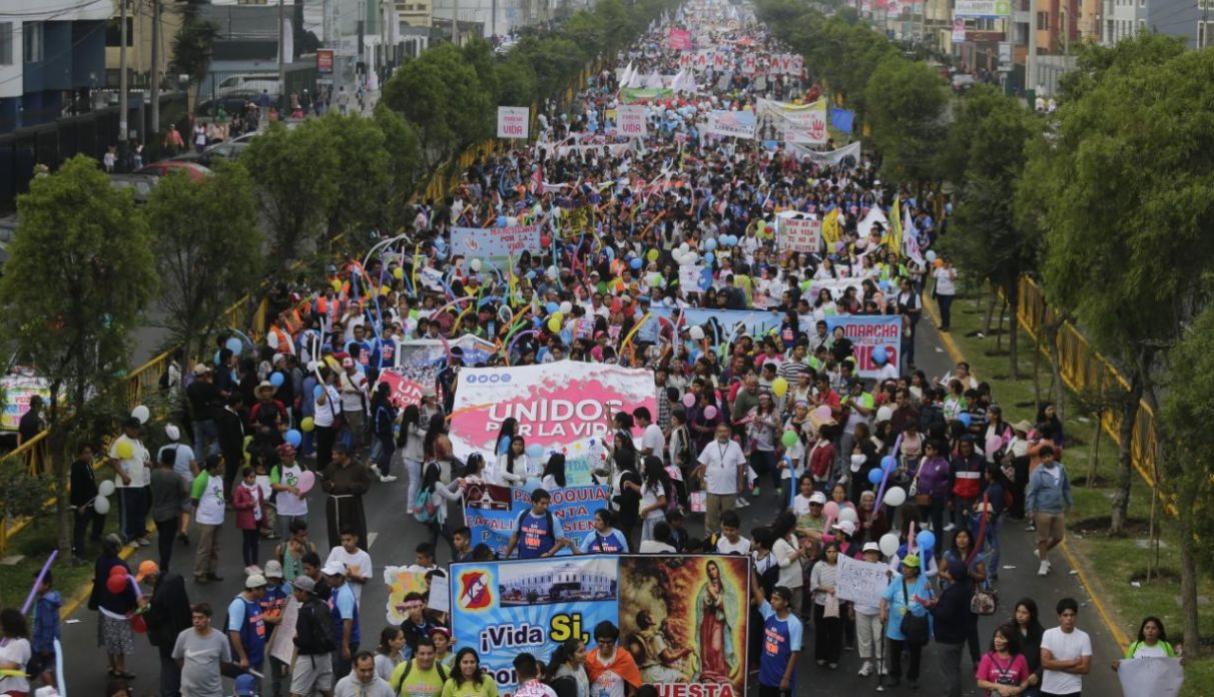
(384, 290)
(554, 323)
(307, 424)
(653, 255)
(779, 387)
(336, 284)
(125, 450)
(398, 273)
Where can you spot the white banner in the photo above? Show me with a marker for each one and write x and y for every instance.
(982, 8)
(799, 233)
(1151, 677)
(631, 121)
(734, 124)
(861, 582)
(797, 123)
(513, 121)
(831, 157)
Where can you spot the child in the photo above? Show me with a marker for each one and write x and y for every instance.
(730, 540)
(246, 501)
(678, 533)
(356, 560)
(268, 507)
(292, 551)
(46, 630)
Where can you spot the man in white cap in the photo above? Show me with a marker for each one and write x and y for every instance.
(869, 642)
(345, 617)
(246, 625)
(185, 464)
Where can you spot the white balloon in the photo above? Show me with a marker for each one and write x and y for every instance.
(101, 504)
(141, 412)
(475, 264)
(106, 488)
(884, 413)
(895, 496)
(889, 544)
(697, 333)
(848, 513)
(566, 307)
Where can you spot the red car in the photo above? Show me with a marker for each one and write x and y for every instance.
(193, 170)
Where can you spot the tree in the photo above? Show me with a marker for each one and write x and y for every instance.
(405, 165)
(80, 273)
(440, 93)
(516, 81)
(1188, 470)
(192, 45)
(904, 102)
(1095, 60)
(360, 172)
(291, 174)
(1125, 192)
(208, 248)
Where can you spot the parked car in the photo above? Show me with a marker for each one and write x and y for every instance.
(141, 185)
(193, 170)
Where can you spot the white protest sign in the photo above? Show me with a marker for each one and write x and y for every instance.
(861, 582)
(689, 277)
(800, 234)
(512, 121)
(439, 597)
(1151, 677)
(282, 641)
(630, 119)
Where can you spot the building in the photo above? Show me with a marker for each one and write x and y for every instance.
(139, 35)
(569, 581)
(416, 13)
(1193, 21)
(52, 53)
(1124, 19)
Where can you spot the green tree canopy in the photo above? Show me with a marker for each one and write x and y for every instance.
(904, 104)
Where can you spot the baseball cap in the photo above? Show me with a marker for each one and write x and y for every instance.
(334, 568)
(818, 497)
(304, 583)
(246, 685)
(255, 581)
(911, 560)
(202, 369)
(868, 547)
(273, 569)
(846, 526)
(347, 362)
(147, 567)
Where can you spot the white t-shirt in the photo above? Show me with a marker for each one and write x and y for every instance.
(1064, 647)
(650, 496)
(724, 546)
(655, 547)
(358, 563)
(182, 455)
(721, 464)
(945, 284)
(135, 466)
(323, 414)
(653, 439)
(289, 504)
(15, 651)
(210, 503)
(790, 572)
(353, 390)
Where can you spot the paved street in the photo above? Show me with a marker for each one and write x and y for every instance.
(393, 538)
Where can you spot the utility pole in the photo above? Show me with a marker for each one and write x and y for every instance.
(155, 86)
(493, 18)
(1030, 58)
(282, 60)
(122, 86)
(455, 24)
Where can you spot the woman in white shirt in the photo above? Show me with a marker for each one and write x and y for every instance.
(409, 442)
(828, 610)
(946, 288)
(554, 473)
(511, 469)
(15, 652)
(654, 485)
(788, 555)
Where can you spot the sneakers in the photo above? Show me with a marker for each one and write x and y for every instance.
(832, 666)
(385, 478)
(742, 502)
(1044, 569)
(375, 470)
(950, 527)
(821, 662)
(866, 669)
(1037, 552)
(1030, 527)
(882, 670)
(754, 491)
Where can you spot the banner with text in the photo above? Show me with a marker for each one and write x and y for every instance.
(631, 121)
(867, 333)
(662, 604)
(490, 511)
(982, 8)
(799, 233)
(512, 121)
(495, 245)
(731, 124)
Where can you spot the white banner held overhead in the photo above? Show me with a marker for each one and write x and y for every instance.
(799, 234)
(631, 121)
(860, 581)
(513, 121)
(1151, 677)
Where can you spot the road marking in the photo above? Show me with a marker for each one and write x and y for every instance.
(371, 539)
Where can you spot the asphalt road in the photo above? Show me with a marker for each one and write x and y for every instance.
(393, 538)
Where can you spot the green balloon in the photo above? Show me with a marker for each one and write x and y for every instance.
(789, 439)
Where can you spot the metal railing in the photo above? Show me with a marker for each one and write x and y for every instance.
(1084, 369)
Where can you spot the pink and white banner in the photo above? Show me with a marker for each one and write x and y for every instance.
(559, 406)
(630, 120)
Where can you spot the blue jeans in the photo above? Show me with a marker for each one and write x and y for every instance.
(205, 432)
(134, 512)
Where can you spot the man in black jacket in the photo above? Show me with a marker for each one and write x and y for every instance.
(83, 494)
(168, 615)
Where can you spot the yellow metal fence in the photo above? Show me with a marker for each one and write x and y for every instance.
(1084, 369)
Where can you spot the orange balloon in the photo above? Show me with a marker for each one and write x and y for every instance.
(938, 263)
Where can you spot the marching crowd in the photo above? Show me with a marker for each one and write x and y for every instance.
(915, 472)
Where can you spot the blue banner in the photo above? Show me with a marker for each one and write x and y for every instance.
(491, 511)
(662, 604)
(842, 119)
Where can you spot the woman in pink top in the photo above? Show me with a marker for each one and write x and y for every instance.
(1003, 671)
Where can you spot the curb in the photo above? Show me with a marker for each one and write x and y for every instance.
(1106, 617)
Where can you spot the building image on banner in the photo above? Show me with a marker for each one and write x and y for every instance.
(683, 618)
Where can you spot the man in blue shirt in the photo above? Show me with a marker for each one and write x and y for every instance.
(246, 625)
(344, 607)
(537, 533)
(781, 642)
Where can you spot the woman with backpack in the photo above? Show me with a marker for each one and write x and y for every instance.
(409, 441)
(430, 506)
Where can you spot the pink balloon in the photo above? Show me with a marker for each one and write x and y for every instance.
(831, 510)
(710, 412)
(689, 400)
(307, 480)
(822, 413)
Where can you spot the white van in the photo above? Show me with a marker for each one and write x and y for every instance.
(248, 83)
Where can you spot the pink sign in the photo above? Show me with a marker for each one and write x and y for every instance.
(403, 390)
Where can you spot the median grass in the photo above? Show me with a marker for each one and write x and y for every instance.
(1117, 567)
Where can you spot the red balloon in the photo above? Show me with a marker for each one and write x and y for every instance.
(139, 625)
(118, 570)
(116, 584)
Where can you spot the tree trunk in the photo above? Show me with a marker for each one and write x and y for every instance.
(1094, 456)
(990, 312)
(1188, 567)
(1125, 467)
(999, 328)
(1037, 366)
(1013, 342)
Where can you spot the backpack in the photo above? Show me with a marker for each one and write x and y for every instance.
(442, 674)
(315, 636)
(424, 508)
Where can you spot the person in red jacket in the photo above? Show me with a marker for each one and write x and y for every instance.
(967, 474)
(250, 517)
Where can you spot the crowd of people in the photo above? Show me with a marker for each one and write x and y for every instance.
(916, 472)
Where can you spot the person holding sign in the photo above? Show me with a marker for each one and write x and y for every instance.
(1152, 643)
(781, 641)
(537, 533)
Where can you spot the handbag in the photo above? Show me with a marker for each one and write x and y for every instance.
(985, 600)
(920, 498)
(914, 627)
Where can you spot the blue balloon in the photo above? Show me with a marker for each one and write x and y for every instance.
(610, 252)
(710, 244)
(552, 307)
(930, 256)
(317, 391)
(965, 418)
(636, 264)
(889, 463)
(276, 379)
(925, 539)
(709, 258)
(875, 476)
(501, 221)
(535, 450)
(731, 240)
(235, 345)
(293, 437)
(879, 355)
